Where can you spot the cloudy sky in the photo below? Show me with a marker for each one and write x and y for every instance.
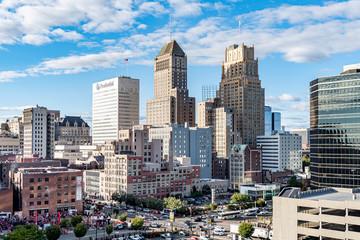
(52, 51)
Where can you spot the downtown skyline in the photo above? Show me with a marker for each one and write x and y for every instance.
(54, 62)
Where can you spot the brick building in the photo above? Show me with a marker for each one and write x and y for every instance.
(220, 168)
(48, 190)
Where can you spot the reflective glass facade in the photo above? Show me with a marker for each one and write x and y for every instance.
(335, 131)
(276, 122)
(268, 121)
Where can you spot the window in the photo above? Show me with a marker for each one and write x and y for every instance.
(31, 203)
(66, 193)
(66, 178)
(59, 201)
(39, 203)
(31, 180)
(66, 186)
(59, 186)
(72, 192)
(59, 178)
(59, 193)
(39, 188)
(31, 188)
(46, 194)
(39, 179)
(72, 185)
(73, 178)
(73, 200)
(31, 196)
(39, 195)
(46, 179)
(46, 202)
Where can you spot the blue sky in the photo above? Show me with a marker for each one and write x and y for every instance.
(52, 51)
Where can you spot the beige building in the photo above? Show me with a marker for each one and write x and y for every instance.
(72, 130)
(9, 142)
(221, 120)
(240, 90)
(39, 131)
(324, 214)
(171, 103)
(16, 125)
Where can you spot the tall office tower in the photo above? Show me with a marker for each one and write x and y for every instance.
(115, 106)
(171, 103)
(39, 131)
(334, 129)
(276, 122)
(268, 121)
(221, 119)
(240, 90)
(209, 91)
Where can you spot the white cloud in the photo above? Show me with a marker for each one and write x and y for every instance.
(300, 107)
(142, 26)
(183, 8)
(36, 40)
(283, 97)
(66, 35)
(19, 108)
(8, 76)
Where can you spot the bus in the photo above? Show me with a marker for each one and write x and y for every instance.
(251, 211)
(229, 215)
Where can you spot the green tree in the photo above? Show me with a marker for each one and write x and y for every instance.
(116, 211)
(123, 217)
(230, 207)
(294, 183)
(80, 230)
(109, 229)
(75, 220)
(240, 198)
(213, 206)
(25, 232)
(64, 223)
(305, 161)
(260, 203)
(137, 223)
(246, 229)
(172, 203)
(53, 232)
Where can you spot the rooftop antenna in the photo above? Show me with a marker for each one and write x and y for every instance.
(170, 27)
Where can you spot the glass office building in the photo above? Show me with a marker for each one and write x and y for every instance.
(268, 120)
(335, 130)
(276, 122)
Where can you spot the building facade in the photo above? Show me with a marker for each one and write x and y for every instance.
(171, 103)
(9, 143)
(304, 133)
(220, 168)
(115, 106)
(16, 126)
(334, 131)
(323, 214)
(276, 122)
(281, 151)
(268, 121)
(39, 131)
(72, 130)
(240, 89)
(245, 166)
(48, 190)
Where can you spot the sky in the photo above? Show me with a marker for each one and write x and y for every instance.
(51, 51)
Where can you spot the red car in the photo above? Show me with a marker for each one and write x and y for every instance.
(156, 212)
(194, 238)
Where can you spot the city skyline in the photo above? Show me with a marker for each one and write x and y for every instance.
(55, 62)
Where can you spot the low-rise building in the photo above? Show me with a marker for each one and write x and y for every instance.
(72, 129)
(92, 183)
(260, 191)
(9, 143)
(220, 168)
(326, 214)
(73, 152)
(48, 190)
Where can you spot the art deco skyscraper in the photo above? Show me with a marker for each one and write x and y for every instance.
(240, 90)
(171, 103)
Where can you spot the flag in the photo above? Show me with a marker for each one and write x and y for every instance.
(59, 218)
(36, 218)
(126, 60)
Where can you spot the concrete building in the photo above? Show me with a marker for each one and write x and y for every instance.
(171, 103)
(260, 191)
(276, 122)
(93, 184)
(324, 214)
(245, 166)
(281, 151)
(240, 89)
(334, 131)
(48, 190)
(179, 140)
(39, 131)
(16, 126)
(74, 152)
(268, 121)
(115, 106)
(221, 120)
(72, 130)
(9, 143)
(304, 133)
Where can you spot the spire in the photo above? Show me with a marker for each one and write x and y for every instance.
(171, 47)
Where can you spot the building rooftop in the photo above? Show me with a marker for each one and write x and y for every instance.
(71, 120)
(171, 47)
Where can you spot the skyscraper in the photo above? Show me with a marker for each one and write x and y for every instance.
(240, 90)
(115, 106)
(209, 91)
(334, 129)
(268, 121)
(276, 122)
(171, 103)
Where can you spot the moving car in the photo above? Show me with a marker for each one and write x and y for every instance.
(218, 228)
(131, 211)
(219, 233)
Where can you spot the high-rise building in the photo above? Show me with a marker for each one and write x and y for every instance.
(334, 129)
(281, 151)
(209, 91)
(115, 106)
(39, 131)
(304, 133)
(276, 122)
(171, 103)
(268, 121)
(240, 90)
(221, 119)
(72, 130)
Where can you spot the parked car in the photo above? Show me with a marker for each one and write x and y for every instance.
(119, 226)
(204, 238)
(198, 219)
(219, 233)
(131, 211)
(165, 216)
(154, 225)
(231, 236)
(146, 210)
(194, 238)
(218, 228)
(183, 233)
(156, 212)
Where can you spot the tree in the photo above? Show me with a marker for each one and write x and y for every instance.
(25, 232)
(213, 206)
(123, 217)
(246, 229)
(260, 203)
(173, 203)
(240, 198)
(53, 232)
(230, 207)
(305, 161)
(109, 229)
(80, 230)
(75, 220)
(137, 223)
(116, 211)
(294, 183)
(64, 223)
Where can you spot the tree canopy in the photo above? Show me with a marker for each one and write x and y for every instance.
(123, 217)
(137, 223)
(294, 183)
(64, 223)
(173, 203)
(109, 229)
(53, 232)
(240, 198)
(80, 230)
(246, 229)
(75, 220)
(25, 232)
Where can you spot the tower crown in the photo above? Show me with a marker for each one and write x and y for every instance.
(172, 48)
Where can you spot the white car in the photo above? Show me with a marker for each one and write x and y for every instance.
(218, 228)
(142, 216)
(230, 236)
(219, 233)
(131, 211)
(146, 210)
(204, 238)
